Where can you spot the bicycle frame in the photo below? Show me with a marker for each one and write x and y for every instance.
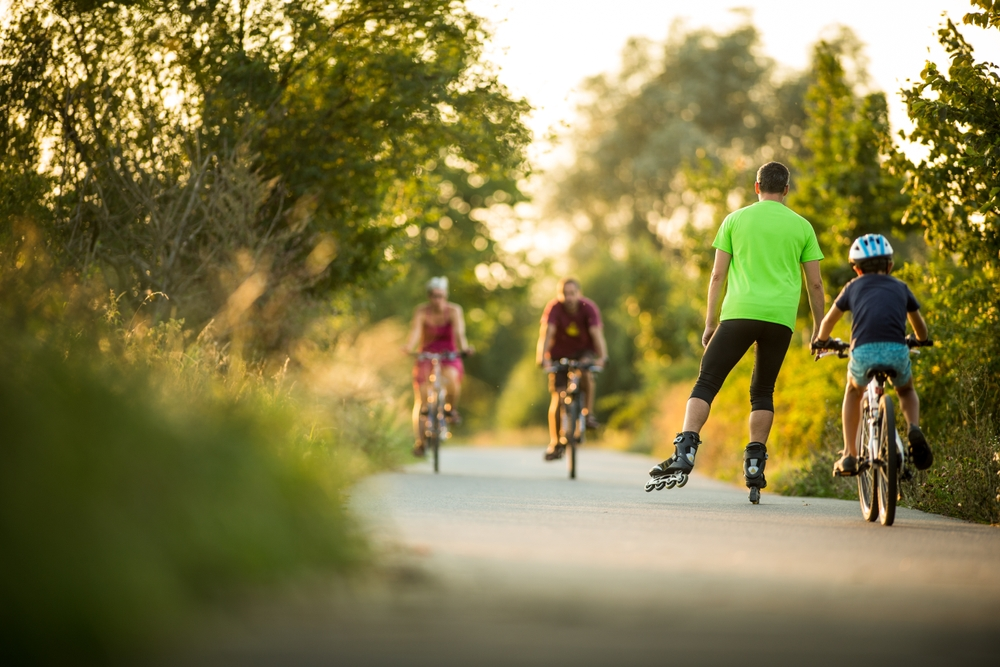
(434, 424)
(572, 408)
(873, 392)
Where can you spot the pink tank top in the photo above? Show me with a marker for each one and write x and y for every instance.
(438, 339)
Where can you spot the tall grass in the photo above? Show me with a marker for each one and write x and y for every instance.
(150, 473)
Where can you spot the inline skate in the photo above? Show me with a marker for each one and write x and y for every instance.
(675, 470)
(754, 461)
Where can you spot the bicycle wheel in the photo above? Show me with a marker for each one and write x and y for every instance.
(434, 442)
(432, 437)
(888, 471)
(572, 412)
(867, 489)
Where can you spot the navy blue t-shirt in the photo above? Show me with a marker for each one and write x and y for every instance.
(880, 304)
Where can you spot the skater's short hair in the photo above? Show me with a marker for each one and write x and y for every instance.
(773, 178)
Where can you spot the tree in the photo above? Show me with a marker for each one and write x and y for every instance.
(711, 98)
(665, 145)
(842, 187)
(955, 197)
(490, 283)
(956, 186)
(271, 149)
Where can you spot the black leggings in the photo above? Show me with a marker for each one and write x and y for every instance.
(728, 345)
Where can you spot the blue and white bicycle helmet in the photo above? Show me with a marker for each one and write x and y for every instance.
(869, 246)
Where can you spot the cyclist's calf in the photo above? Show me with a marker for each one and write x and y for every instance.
(910, 402)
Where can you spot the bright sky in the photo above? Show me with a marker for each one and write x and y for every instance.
(545, 48)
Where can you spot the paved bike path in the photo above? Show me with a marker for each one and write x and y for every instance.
(502, 560)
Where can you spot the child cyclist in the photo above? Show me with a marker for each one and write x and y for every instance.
(881, 305)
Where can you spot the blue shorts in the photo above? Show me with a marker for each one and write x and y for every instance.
(894, 355)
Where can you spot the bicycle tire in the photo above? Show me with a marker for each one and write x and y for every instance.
(888, 472)
(435, 447)
(572, 418)
(433, 437)
(867, 488)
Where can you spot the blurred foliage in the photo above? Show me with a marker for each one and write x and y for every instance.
(240, 157)
(193, 195)
(955, 196)
(150, 475)
(955, 186)
(959, 384)
(470, 214)
(664, 146)
(842, 188)
(648, 317)
(706, 97)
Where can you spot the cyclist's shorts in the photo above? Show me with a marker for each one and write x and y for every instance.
(422, 369)
(894, 355)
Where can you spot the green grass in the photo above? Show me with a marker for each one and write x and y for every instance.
(134, 496)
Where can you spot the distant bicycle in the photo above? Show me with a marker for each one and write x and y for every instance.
(572, 407)
(881, 455)
(433, 419)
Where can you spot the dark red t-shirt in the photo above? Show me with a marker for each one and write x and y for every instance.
(572, 337)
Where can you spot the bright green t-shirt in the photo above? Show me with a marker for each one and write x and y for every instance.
(768, 242)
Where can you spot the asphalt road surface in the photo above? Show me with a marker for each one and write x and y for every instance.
(501, 560)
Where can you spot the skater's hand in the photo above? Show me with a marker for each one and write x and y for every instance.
(819, 345)
(706, 337)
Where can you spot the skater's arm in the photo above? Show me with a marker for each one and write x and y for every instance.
(720, 271)
(817, 299)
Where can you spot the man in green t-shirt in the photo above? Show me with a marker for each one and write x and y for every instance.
(762, 250)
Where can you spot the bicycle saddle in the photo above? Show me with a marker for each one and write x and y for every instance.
(887, 371)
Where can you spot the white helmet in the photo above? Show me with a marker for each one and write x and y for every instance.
(868, 246)
(438, 282)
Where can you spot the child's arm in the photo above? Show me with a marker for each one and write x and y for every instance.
(918, 324)
(831, 319)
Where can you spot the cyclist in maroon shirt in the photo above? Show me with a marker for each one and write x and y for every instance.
(571, 328)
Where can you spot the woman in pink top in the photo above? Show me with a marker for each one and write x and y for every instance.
(438, 326)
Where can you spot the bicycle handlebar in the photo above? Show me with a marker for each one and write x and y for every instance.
(565, 363)
(833, 346)
(837, 347)
(912, 342)
(441, 356)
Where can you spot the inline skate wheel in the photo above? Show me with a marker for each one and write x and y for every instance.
(660, 484)
(650, 485)
(755, 495)
(670, 483)
(682, 481)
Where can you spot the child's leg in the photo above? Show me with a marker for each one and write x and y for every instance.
(910, 402)
(851, 415)
(921, 452)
